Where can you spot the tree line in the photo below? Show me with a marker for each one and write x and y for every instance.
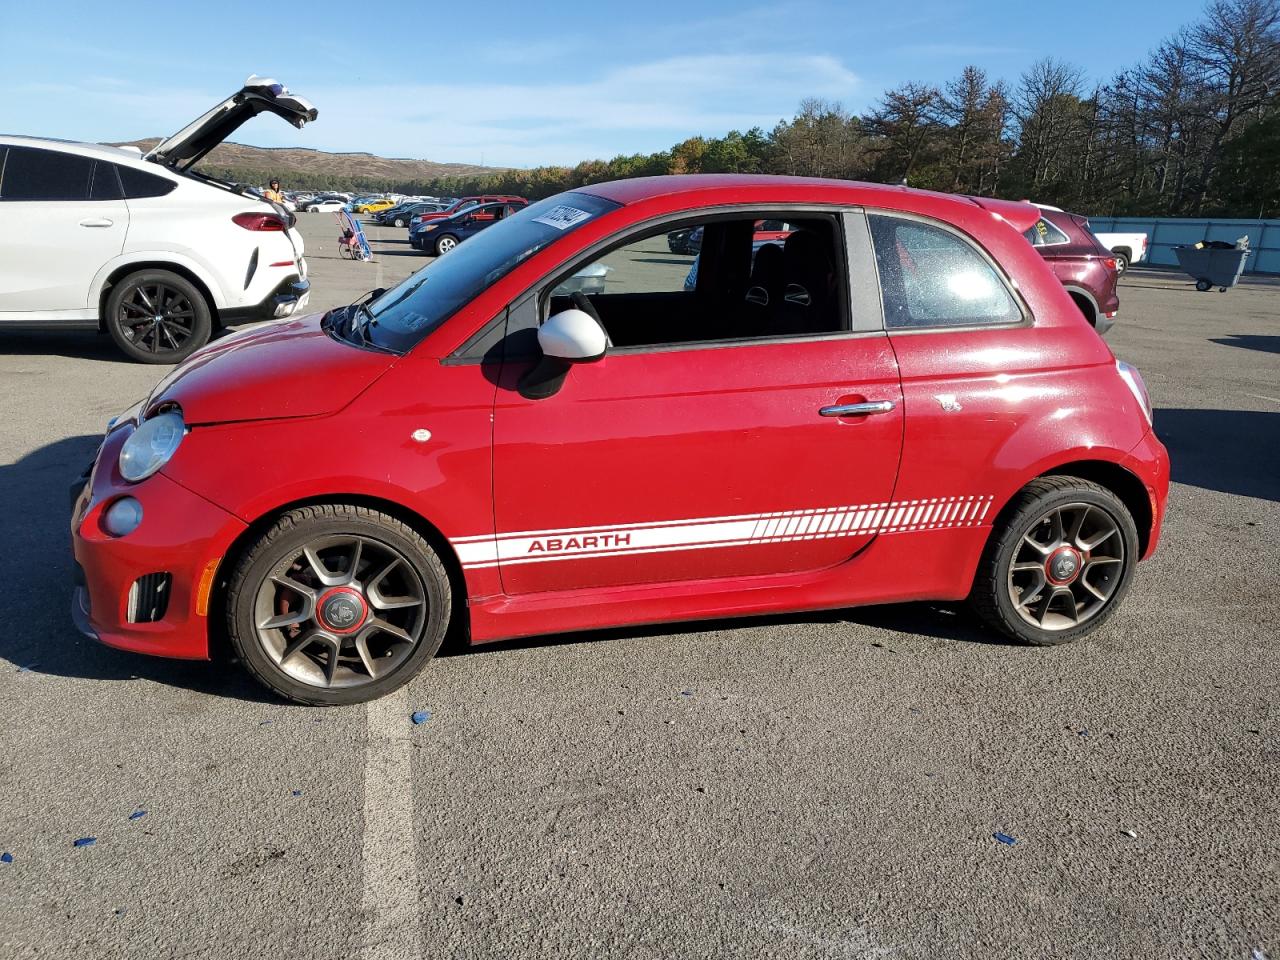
(1191, 130)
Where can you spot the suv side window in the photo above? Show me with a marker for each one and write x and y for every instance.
(930, 277)
(33, 174)
(660, 289)
(139, 185)
(1045, 234)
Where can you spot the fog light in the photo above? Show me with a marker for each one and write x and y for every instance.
(122, 517)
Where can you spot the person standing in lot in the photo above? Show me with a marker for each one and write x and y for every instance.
(273, 192)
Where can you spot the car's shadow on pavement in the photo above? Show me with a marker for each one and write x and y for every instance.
(76, 344)
(36, 569)
(1249, 341)
(1232, 451)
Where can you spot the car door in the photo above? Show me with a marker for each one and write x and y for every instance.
(682, 459)
(63, 221)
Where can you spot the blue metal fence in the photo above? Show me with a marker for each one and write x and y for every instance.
(1165, 233)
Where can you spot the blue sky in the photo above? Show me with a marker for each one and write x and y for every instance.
(521, 84)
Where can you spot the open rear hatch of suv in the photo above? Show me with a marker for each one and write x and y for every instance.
(258, 95)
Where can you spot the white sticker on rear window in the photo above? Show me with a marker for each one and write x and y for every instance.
(563, 217)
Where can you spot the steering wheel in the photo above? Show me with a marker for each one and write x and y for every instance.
(583, 303)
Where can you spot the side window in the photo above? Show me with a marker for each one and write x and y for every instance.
(106, 185)
(33, 174)
(139, 184)
(930, 277)
(1045, 234)
(745, 278)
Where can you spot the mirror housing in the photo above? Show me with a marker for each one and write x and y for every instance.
(568, 337)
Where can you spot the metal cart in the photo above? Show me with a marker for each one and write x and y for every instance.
(1213, 266)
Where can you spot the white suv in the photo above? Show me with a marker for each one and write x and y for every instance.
(141, 246)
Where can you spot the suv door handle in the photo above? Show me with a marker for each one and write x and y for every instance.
(857, 409)
(98, 222)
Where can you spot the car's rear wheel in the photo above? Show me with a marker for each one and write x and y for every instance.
(156, 316)
(445, 244)
(399, 222)
(337, 604)
(1058, 563)
(1122, 262)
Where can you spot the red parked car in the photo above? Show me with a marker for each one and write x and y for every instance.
(905, 406)
(463, 203)
(1086, 268)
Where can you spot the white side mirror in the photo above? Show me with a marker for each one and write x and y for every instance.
(572, 336)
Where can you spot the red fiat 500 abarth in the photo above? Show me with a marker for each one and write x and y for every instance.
(897, 401)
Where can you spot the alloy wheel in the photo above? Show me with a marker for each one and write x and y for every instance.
(342, 611)
(1066, 566)
(157, 318)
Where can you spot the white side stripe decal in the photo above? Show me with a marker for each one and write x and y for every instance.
(542, 546)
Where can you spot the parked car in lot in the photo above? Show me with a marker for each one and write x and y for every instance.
(440, 236)
(1128, 248)
(402, 214)
(143, 247)
(463, 203)
(1085, 267)
(373, 206)
(920, 414)
(326, 205)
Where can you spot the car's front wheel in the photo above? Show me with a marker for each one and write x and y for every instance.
(399, 222)
(156, 316)
(1058, 563)
(444, 244)
(337, 604)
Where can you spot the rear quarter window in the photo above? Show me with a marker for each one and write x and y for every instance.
(138, 184)
(930, 277)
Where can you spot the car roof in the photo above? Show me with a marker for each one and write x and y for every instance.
(104, 150)
(767, 188)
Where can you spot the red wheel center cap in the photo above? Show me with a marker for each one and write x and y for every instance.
(1063, 566)
(342, 610)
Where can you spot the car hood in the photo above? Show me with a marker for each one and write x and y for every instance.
(258, 95)
(278, 370)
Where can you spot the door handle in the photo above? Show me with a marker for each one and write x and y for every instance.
(857, 409)
(101, 222)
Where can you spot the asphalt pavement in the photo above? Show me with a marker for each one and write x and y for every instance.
(809, 786)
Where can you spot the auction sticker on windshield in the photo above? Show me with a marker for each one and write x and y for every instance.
(562, 217)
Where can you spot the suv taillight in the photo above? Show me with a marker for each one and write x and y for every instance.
(1109, 262)
(1137, 386)
(259, 221)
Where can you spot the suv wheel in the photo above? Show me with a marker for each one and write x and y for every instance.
(1058, 563)
(156, 316)
(337, 604)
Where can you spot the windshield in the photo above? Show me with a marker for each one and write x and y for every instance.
(409, 311)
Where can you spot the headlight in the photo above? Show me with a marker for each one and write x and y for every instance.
(151, 446)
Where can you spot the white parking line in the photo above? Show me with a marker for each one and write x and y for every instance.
(390, 902)
(1258, 396)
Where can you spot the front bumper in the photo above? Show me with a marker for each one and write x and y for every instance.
(181, 534)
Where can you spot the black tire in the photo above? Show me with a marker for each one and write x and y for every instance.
(399, 221)
(991, 596)
(285, 538)
(1202, 285)
(147, 342)
(448, 242)
(1122, 262)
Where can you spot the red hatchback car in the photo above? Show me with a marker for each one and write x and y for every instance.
(907, 405)
(1086, 268)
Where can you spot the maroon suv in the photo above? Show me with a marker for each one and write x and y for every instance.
(1086, 268)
